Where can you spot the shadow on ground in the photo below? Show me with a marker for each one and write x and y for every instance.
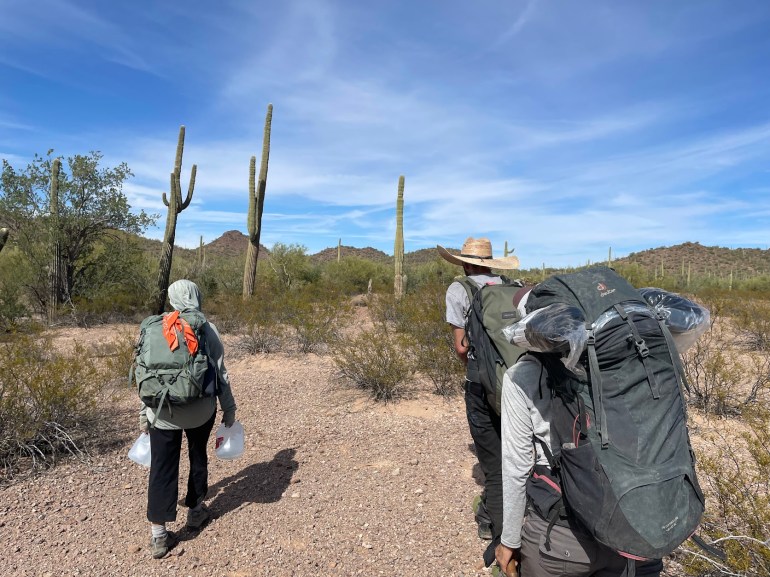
(258, 483)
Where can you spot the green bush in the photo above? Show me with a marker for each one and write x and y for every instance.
(420, 315)
(376, 360)
(734, 471)
(725, 379)
(315, 317)
(45, 399)
(351, 275)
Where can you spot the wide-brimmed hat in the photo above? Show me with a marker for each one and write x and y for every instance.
(479, 251)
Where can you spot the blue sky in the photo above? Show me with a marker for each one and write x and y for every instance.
(562, 127)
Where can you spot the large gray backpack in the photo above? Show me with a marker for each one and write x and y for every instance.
(172, 376)
(624, 463)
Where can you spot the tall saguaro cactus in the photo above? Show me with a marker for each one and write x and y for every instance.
(175, 206)
(55, 272)
(256, 204)
(399, 282)
(3, 237)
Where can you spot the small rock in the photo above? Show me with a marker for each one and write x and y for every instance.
(414, 462)
(395, 472)
(366, 545)
(134, 549)
(295, 495)
(418, 491)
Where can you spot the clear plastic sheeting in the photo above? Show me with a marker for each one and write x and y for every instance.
(686, 319)
(560, 328)
(557, 328)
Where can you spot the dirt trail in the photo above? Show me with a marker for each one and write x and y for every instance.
(330, 484)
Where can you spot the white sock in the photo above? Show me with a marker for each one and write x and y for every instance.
(159, 530)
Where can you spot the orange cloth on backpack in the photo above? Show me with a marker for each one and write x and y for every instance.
(173, 323)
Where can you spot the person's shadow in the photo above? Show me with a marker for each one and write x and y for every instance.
(258, 483)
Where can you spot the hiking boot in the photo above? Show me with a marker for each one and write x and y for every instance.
(160, 546)
(482, 519)
(196, 518)
(485, 531)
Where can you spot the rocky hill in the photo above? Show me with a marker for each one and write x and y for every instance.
(702, 260)
(369, 253)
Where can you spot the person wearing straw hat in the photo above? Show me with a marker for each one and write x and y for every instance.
(483, 421)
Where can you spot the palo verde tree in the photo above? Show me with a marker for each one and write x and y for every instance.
(175, 206)
(91, 207)
(256, 203)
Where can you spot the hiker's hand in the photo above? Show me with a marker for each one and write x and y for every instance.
(144, 427)
(228, 418)
(508, 559)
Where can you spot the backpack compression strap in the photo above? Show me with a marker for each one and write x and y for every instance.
(642, 351)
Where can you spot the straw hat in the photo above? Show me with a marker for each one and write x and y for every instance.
(479, 251)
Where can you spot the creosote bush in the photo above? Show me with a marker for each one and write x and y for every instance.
(734, 472)
(376, 360)
(420, 315)
(315, 317)
(45, 398)
(725, 378)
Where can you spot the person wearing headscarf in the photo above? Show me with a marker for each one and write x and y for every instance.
(195, 420)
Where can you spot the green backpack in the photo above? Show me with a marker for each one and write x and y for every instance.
(172, 377)
(490, 354)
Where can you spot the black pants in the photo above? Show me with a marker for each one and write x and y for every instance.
(163, 490)
(484, 425)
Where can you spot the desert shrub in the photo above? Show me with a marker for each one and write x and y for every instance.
(352, 275)
(723, 378)
(376, 360)
(421, 316)
(45, 397)
(258, 320)
(12, 307)
(315, 317)
(734, 471)
(288, 266)
(424, 275)
(752, 321)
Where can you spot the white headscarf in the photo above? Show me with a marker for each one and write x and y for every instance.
(184, 295)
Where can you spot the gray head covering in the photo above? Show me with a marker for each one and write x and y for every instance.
(184, 295)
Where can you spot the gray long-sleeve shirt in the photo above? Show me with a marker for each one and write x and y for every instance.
(525, 416)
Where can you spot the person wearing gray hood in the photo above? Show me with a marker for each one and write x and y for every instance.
(196, 420)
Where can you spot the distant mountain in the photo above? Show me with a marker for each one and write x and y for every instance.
(368, 253)
(231, 244)
(702, 260)
(677, 259)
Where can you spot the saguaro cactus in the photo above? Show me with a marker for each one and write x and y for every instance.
(175, 206)
(339, 250)
(55, 272)
(3, 237)
(256, 204)
(399, 283)
(507, 252)
(201, 255)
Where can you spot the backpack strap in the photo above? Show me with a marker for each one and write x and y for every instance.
(641, 350)
(596, 385)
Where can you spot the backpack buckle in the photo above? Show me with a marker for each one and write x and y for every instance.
(641, 348)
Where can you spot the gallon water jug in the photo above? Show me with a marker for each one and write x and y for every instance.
(229, 441)
(140, 451)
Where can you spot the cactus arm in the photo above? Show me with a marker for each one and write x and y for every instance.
(190, 188)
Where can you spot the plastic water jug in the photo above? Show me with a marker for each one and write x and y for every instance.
(229, 441)
(140, 450)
